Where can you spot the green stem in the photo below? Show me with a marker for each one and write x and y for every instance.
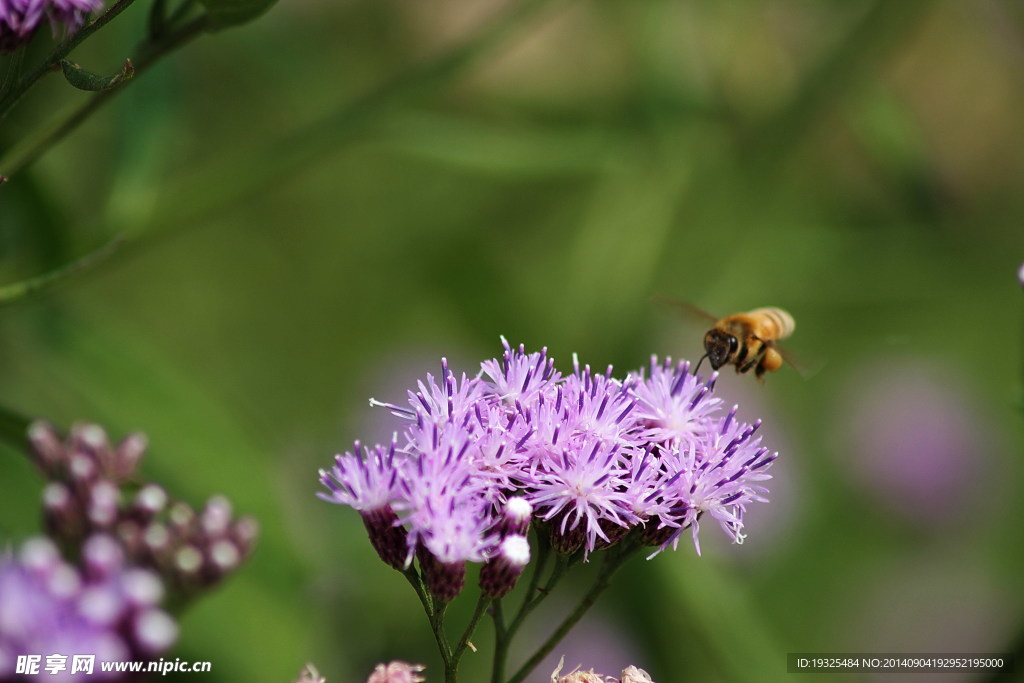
(18, 290)
(481, 608)
(543, 553)
(59, 53)
(561, 564)
(501, 643)
(13, 69)
(435, 615)
(437, 627)
(503, 633)
(416, 581)
(157, 22)
(181, 12)
(147, 55)
(611, 565)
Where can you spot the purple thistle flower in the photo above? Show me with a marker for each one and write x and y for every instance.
(519, 376)
(47, 606)
(598, 407)
(644, 482)
(92, 490)
(365, 480)
(449, 533)
(497, 462)
(719, 477)
(19, 19)
(444, 502)
(499, 575)
(594, 456)
(454, 528)
(581, 490)
(674, 406)
(448, 401)
(515, 517)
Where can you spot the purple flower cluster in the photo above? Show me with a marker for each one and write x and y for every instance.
(48, 607)
(19, 19)
(94, 488)
(590, 456)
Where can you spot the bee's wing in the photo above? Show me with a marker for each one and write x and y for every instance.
(685, 307)
(802, 368)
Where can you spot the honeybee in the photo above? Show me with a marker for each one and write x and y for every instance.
(747, 340)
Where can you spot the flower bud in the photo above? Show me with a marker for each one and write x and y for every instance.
(515, 517)
(445, 580)
(47, 449)
(61, 511)
(101, 556)
(499, 574)
(388, 537)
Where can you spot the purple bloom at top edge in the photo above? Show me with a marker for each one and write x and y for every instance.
(674, 406)
(518, 376)
(19, 19)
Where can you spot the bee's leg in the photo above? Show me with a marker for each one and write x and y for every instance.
(753, 362)
(759, 373)
(741, 356)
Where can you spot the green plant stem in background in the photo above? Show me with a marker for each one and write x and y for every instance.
(19, 290)
(52, 61)
(13, 70)
(146, 56)
(500, 642)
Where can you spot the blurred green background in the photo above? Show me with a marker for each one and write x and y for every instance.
(321, 204)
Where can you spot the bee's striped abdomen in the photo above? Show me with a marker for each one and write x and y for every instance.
(780, 322)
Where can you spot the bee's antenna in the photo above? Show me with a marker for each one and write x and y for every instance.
(701, 360)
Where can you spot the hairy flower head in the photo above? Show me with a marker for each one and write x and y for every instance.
(588, 457)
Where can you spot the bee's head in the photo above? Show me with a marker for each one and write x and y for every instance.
(721, 347)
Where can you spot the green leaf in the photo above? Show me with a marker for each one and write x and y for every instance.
(13, 429)
(14, 291)
(225, 13)
(87, 80)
